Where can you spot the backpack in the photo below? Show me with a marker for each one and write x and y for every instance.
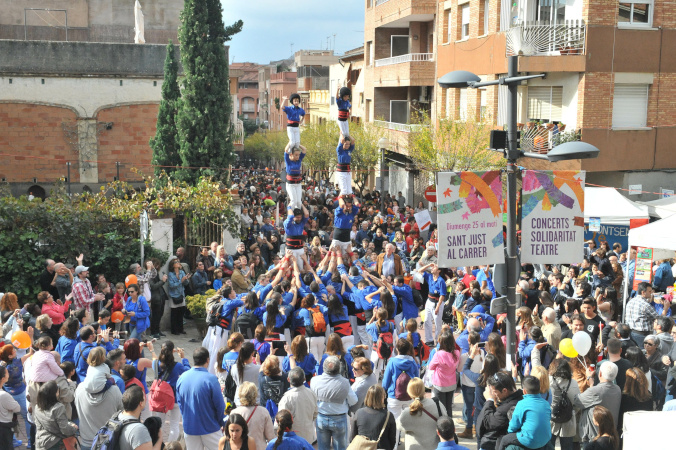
(400, 386)
(343, 368)
(161, 397)
(385, 343)
(108, 437)
(230, 387)
(447, 314)
(659, 392)
(246, 324)
(548, 357)
(317, 322)
(215, 316)
(562, 410)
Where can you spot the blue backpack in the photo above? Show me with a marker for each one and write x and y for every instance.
(108, 437)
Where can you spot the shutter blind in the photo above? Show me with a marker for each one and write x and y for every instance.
(545, 103)
(630, 105)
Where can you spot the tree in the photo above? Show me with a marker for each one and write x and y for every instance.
(205, 128)
(453, 145)
(265, 147)
(366, 152)
(320, 140)
(165, 143)
(250, 126)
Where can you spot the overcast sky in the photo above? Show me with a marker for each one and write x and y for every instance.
(270, 26)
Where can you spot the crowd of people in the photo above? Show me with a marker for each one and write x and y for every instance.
(332, 325)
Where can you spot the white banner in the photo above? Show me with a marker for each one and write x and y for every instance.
(423, 219)
(552, 217)
(469, 217)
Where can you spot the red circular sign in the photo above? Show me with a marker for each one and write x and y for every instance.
(431, 193)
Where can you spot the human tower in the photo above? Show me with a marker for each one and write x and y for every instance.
(294, 153)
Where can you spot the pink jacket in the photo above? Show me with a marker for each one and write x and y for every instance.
(56, 312)
(45, 367)
(444, 365)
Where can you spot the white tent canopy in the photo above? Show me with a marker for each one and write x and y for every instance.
(612, 207)
(656, 235)
(663, 207)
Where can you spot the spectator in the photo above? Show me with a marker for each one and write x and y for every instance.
(177, 279)
(334, 399)
(167, 366)
(419, 422)
(83, 294)
(606, 394)
(236, 432)
(52, 425)
(257, 417)
(447, 436)
(551, 329)
(493, 420)
(8, 407)
(199, 398)
(635, 395)
(640, 314)
(245, 368)
(654, 356)
(374, 421)
(157, 302)
(529, 426)
(134, 435)
(364, 379)
(301, 402)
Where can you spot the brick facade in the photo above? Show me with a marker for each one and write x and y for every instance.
(34, 135)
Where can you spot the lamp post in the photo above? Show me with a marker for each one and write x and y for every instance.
(384, 144)
(567, 151)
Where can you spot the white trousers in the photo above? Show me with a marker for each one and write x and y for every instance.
(365, 339)
(396, 407)
(170, 422)
(316, 345)
(344, 127)
(345, 247)
(294, 136)
(295, 192)
(215, 339)
(432, 319)
(344, 180)
(348, 341)
(355, 333)
(203, 442)
(298, 254)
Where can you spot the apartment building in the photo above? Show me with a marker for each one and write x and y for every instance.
(312, 67)
(282, 84)
(248, 91)
(265, 102)
(610, 75)
(399, 79)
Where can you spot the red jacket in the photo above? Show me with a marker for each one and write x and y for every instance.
(117, 303)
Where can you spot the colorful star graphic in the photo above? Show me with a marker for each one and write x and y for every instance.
(465, 216)
(447, 192)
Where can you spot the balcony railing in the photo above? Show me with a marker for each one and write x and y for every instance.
(540, 38)
(409, 57)
(543, 138)
(380, 2)
(405, 127)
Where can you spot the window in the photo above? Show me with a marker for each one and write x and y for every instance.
(630, 106)
(545, 103)
(399, 111)
(482, 104)
(487, 13)
(464, 29)
(448, 26)
(463, 104)
(637, 13)
(399, 45)
(367, 53)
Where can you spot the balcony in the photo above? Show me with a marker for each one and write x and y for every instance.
(404, 127)
(411, 69)
(542, 138)
(411, 57)
(398, 13)
(542, 38)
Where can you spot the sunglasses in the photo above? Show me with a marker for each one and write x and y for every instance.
(648, 344)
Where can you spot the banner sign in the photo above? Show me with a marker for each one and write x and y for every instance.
(552, 224)
(469, 217)
(643, 266)
(423, 219)
(611, 233)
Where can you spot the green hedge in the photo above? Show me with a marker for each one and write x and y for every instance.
(60, 228)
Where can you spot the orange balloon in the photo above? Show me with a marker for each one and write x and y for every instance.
(21, 339)
(117, 317)
(131, 279)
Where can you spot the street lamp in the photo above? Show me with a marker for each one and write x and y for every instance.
(567, 151)
(383, 144)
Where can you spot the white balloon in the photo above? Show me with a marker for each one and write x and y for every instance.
(582, 342)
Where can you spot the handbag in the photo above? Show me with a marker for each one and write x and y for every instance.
(71, 443)
(363, 443)
(177, 300)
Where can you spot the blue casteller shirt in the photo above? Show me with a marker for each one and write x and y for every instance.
(309, 364)
(66, 348)
(345, 221)
(290, 441)
(408, 306)
(343, 104)
(344, 156)
(292, 228)
(199, 397)
(293, 167)
(436, 287)
(229, 309)
(176, 372)
(294, 113)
